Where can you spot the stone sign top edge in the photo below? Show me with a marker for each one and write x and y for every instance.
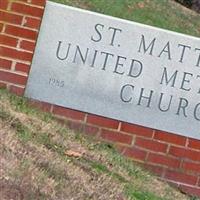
(50, 3)
(117, 69)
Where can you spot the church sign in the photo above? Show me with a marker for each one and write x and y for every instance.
(118, 69)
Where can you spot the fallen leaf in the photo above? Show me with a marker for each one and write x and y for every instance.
(72, 153)
(141, 5)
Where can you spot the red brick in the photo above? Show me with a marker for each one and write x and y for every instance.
(170, 138)
(116, 136)
(194, 191)
(184, 153)
(17, 90)
(158, 170)
(7, 40)
(2, 85)
(190, 166)
(80, 127)
(13, 53)
(68, 113)
(74, 125)
(91, 130)
(13, 78)
(180, 177)
(46, 107)
(1, 27)
(199, 182)
(195, 144)
(39, 3)
(135, 153)
(27, 9)
(3, 4)
(136, 130)
(27, 45)
(21, 32)
(102, 121)
(22, 67)
(10, 17)
(163, 160)
(32, 23)
(151, 145)
(5, 64)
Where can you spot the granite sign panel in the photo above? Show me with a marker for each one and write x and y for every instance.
(117, 69)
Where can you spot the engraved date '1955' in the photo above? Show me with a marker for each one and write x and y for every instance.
(56, 82)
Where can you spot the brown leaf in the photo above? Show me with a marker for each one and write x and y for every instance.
(72, 153)
(141, 5)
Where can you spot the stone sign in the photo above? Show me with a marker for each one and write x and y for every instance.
(118, 69)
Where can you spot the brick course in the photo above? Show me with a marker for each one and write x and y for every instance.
(172, 157)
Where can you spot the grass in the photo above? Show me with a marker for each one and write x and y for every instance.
(35, 162)
(33, 148)
(165, 14)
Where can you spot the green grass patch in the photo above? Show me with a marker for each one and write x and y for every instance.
(160, 13)
(138, 195)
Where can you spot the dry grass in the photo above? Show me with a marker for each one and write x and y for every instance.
(35, 165)
(36, 172)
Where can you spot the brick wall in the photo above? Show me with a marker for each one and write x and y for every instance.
(172, 157)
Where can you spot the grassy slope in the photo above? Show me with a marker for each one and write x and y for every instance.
(160, 13)
(33, 147)
(36, 163)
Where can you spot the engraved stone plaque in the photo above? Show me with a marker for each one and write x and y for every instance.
(118, 69)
